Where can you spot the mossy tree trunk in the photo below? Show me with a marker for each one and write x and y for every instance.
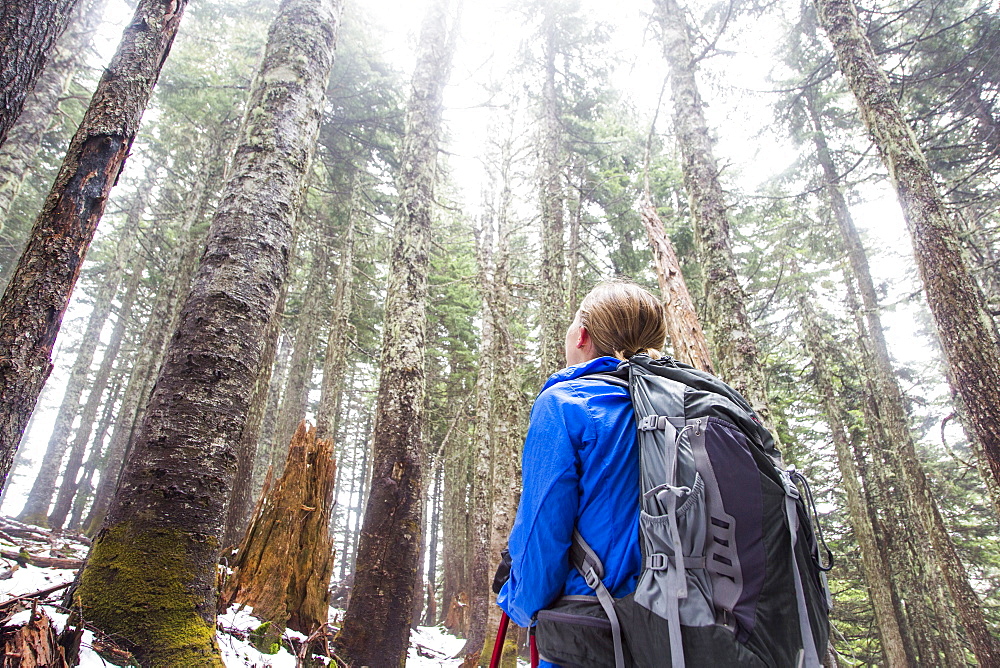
(965, 329)
(28, 32)
(38, 293)
(481, 499)
(151, 576)
(376, 626)
(854, 53)
(36, 507)
(683, 325)
(283, 564)
(732, 336)
(552, 284)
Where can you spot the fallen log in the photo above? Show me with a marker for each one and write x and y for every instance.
(25, 558)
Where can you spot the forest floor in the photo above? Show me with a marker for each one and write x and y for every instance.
(27, 587)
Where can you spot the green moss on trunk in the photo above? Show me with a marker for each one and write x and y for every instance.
(139, 586)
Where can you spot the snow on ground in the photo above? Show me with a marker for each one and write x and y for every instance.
(430, 646)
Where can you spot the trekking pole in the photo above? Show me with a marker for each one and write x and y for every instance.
(498, 645)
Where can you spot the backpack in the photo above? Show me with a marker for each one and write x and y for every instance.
(732, 573)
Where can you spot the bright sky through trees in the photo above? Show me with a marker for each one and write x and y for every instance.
(750, 147)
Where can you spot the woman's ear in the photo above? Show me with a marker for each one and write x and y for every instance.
(584, 337)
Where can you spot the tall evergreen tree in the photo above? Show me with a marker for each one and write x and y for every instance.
(730, 331)
(37, 296)
(377, 622)
(966, 332)
(151, 575)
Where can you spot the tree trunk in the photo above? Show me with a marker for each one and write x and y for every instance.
(878, 577)
(64, 499)
(296, 393)
(85, 491)
(283, 564)
(376, 626)
(240, 509)
(966, 332)
(335, 361)
(149, 355)
(28, 32)
(36, 508)
(900, 448)
(37, 296)
(457, 488)
(266, 455)
(430, 616)
(482, 475)
(733, 341)
(507, 435)
(151, 575)
(552, 291)
(683, 325)
(41, 107)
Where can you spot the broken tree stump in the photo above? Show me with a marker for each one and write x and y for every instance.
(34, 645)
(283, 565)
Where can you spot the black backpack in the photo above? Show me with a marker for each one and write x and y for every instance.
(746, 586)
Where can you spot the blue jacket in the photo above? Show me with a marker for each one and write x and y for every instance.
(580, 469)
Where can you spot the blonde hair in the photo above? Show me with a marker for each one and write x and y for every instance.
(623, 320)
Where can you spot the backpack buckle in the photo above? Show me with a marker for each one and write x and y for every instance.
(590, 577)
(653, 423)
(657, 562)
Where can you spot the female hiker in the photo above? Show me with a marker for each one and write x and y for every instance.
(581, 460)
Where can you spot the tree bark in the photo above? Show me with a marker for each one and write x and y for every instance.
(37, 296)
(966, 332)
(953, 298)
(28, 32)
(36, 508)
(25, 137)
(482, 468)
(683, 325)
(376, 626)
(732, 336)
(149, 354)
(151, 575)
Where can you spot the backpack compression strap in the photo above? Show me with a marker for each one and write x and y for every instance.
(586, 561)
(810, 655)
